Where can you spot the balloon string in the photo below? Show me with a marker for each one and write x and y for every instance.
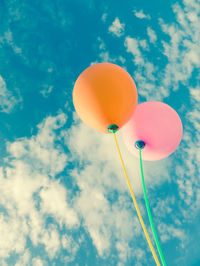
(136, 206)
(149, 213)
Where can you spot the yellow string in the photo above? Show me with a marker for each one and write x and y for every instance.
(136, 206)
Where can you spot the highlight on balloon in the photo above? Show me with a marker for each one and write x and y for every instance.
(105, 98)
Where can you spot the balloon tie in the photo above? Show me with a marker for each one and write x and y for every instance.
(136, 206)
(149, 213)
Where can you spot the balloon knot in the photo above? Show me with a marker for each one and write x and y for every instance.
(139, 144)
(112, 128)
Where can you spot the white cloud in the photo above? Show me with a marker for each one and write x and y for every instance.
(182, 53)
(169, 231)
(140, 14)
(3, 262)
(144, 44)
(24, 259)
(132, 46)
(51, 241)
(54, 202)
(195, 94)
(12, 232)
(29, 196)
(38, 262)
(104, 17)
(7, 100)
(70, 247)
(40, 149)
(152, 35)
(69, 244)
(187, 181)
(183, 50)
(104, 55)
(192, 16)
(146, 73)
(8, 38)
(117, 28)
(46, 91)
(183, 56)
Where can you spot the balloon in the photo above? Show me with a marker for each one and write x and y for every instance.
(156, 125)
(104, 94)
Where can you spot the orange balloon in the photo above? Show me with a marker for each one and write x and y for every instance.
(104, 94)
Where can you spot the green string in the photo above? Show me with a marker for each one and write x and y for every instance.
(149, 213)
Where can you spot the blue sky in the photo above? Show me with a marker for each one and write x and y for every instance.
(64, 200)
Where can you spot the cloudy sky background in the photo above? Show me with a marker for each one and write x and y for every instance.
(63, 196)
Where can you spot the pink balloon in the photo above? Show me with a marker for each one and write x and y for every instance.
(158, 125)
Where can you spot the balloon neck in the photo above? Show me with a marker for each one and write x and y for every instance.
(140, 144)
(112, 128)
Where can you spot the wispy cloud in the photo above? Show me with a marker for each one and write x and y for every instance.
(24, 259)
(146, 73)
(152, 35)
(8, 38)
(104, 55)
(117, 28)
(184, 57)
(30, 194)
(182, 53)
(183, 50)
(104, 17)
(46, 91)
(71, 246)
(132, 46)
(141, 15)
(7, 100)
(38, 262)
(168, 231)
